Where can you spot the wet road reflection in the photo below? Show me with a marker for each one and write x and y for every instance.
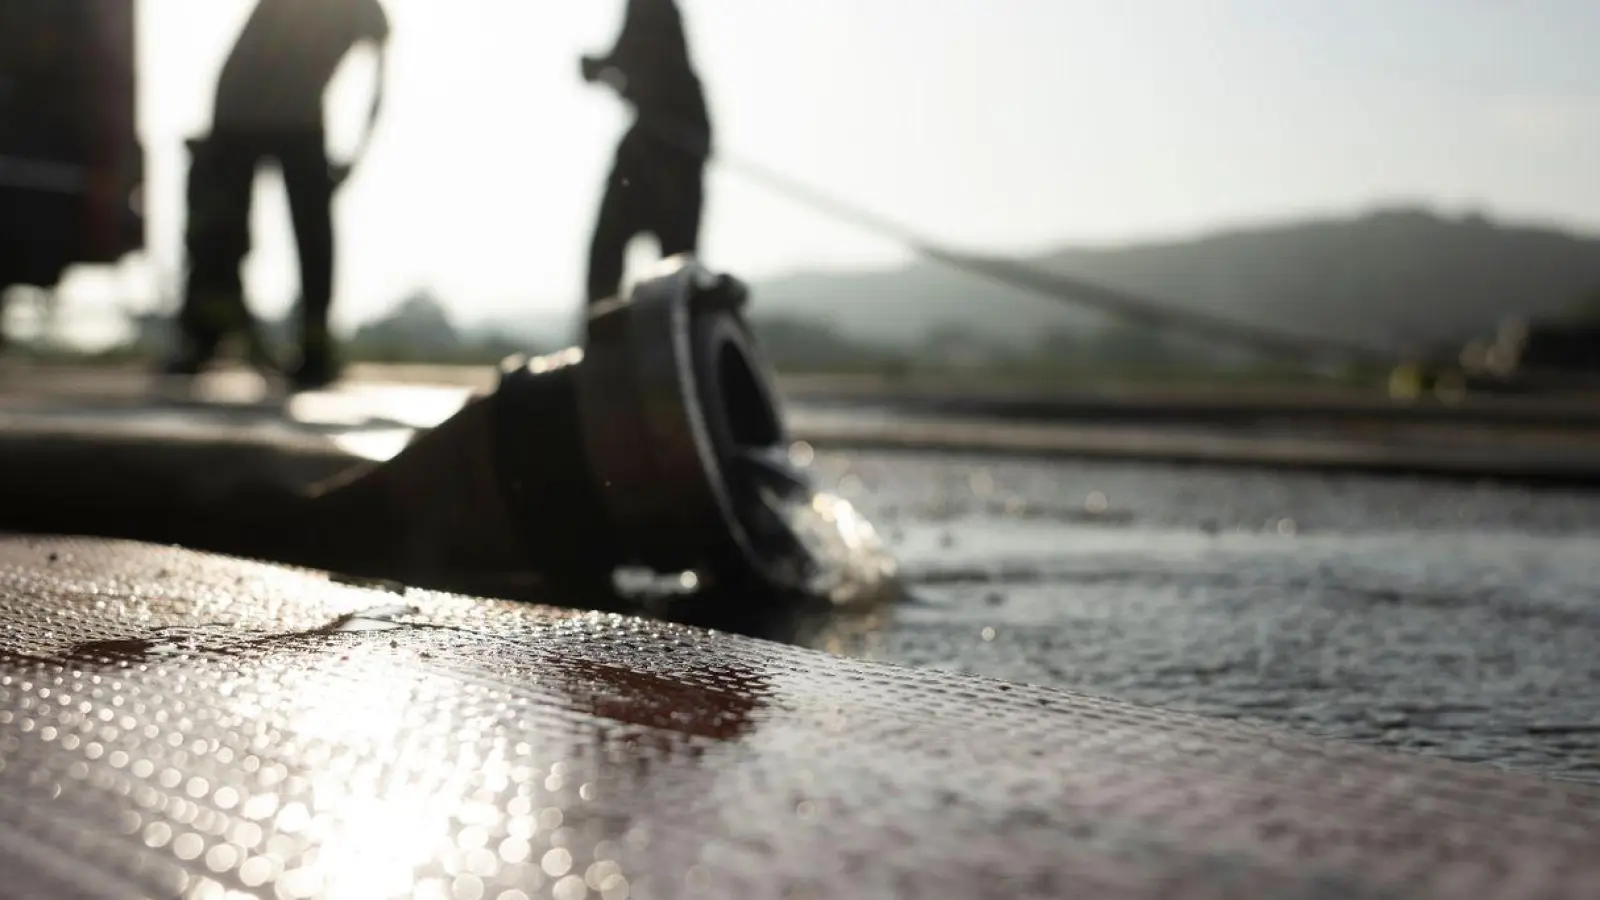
(1447, 617)
(1450, 618)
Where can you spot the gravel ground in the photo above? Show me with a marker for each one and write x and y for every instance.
(1442, 617)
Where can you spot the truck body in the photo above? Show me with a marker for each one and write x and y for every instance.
(71, 165)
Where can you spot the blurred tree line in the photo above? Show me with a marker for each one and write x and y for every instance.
(420, 329)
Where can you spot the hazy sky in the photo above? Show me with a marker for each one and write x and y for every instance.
(993, 123)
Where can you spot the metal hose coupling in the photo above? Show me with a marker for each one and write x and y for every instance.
(654, 443)
(659, 444)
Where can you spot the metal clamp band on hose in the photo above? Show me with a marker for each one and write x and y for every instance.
(670, 392)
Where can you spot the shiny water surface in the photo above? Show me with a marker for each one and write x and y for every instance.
(1452, 618)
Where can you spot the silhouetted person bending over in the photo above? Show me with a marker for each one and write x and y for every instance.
(269, 105)
(656, 185)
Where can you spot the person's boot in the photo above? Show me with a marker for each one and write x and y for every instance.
(189, 357)
(318, 366)
(257, 352)
(207, 316)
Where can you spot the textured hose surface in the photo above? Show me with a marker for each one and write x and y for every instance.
(178, 724)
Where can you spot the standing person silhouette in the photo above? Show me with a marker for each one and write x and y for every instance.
(269, 106)
(656, 184)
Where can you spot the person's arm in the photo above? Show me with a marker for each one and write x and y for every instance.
(381, 76)
(340, 172)
(377, 30)
(643, 26)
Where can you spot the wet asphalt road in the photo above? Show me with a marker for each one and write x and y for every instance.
(1441, 617)
(1444, 617)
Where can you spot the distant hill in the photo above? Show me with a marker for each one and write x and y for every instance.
(1392, 278)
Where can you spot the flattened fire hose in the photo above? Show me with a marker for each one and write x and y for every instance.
(176, 724)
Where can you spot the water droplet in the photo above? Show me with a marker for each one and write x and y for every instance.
(261, 806)
(157, 834)
(482, 862)
(221, 858)
(556, 862)
(256, 871)
(294, 817)
(515, 850)
(206, 889)
(472, 838)
(466, 887)
(301, 882)
(188, 846)
(226, 798)
(598, 873)
(570, 888)
(614, 888)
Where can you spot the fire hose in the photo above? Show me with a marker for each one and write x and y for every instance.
(660, 444)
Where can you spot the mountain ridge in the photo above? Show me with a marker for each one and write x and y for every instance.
(1396, 277)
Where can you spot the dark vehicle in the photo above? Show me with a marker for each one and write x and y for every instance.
(1527, 355)
(71, 164)
(1559, 350)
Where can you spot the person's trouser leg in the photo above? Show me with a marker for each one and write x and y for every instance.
(217, 238)
(618, 222)
(306, 178)
(680, 190)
